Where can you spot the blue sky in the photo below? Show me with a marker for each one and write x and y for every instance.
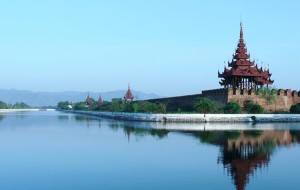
(166, 47)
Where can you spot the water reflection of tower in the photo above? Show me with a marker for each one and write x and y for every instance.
(242, 161)
(251, 150)
(88, 122)
(127, 131)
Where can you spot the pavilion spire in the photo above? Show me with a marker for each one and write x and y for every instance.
(128, 96)
(88, 100)
(241, 32)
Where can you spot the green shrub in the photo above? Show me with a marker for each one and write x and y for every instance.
(80, 106)
(232, 108)
(103, 107)
(205, 105)
(126, 107)
(148, 107)
(115, 105)
(63, 105)
(253, 108)
(295, 108)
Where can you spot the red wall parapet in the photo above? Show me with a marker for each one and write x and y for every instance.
(252, 92)
(288, 92)
(215, 92)
(280, 92)
(245, 92)
(295, 93)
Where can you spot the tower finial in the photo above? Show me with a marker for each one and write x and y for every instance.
(241, 30)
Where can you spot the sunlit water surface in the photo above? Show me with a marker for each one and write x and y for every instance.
(53, 150)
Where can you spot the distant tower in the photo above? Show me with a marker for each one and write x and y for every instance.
(100, 101)
(128, 96)
(88, 100)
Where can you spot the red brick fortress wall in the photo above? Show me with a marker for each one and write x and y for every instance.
(284, 99)
(218, 95)
(179, 103)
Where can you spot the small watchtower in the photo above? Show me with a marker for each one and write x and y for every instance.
(88, 100)
(128, 96)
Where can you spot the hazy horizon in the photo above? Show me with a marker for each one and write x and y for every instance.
(168, 48)
(113, 90)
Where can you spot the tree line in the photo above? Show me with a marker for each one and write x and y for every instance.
(115, 105)
(17, 105)
(203, 105)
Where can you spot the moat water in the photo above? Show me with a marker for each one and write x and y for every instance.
(54, 150)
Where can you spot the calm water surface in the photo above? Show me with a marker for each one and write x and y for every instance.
(53, 150)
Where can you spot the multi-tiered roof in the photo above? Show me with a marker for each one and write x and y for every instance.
(88, 100)
(243, 73)
(128, 96)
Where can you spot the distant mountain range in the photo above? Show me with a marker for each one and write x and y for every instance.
(38, 99)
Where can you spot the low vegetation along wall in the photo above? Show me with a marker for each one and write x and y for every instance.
(202, 118)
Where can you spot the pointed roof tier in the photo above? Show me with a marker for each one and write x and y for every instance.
(241, 72)
(128, 96)
(241, 56)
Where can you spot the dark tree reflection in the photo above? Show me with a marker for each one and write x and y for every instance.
(132, 130)
(1, 117)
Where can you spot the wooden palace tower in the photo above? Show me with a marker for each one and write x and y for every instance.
(243, 73)
(128, 96)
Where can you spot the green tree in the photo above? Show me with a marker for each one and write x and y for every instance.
(20, 105)
(3, 105)
(295, 109)
(118, 105)
(253, 108)
(161, 108)
(126, 107)
(115, 105)
(63, 105)
(232, 108)
(148, 107)
(205, 105)
(80, 106)
(103, 107)
(136, 107)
